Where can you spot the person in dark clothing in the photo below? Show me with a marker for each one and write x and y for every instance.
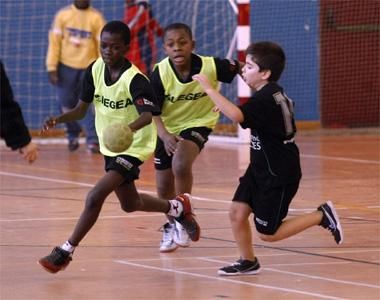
(274, 172)
(13, 128)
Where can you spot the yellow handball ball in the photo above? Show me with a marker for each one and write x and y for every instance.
(117, 137)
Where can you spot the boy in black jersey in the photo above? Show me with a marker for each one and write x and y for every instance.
(273, 175)
(186, 120)
(120, 93)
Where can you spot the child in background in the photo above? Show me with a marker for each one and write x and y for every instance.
(274, 173)
(144, 28)
(120, 93)
(186, 120)
(73, 45)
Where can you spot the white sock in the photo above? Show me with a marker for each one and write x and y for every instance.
(175, 209)
(68, 247)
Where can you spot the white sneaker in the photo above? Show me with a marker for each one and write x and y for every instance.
(180, 236)
(167, 243)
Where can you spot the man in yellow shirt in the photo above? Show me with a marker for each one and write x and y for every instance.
(73, 45)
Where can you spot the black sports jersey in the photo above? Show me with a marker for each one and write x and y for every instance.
(140, 88)
(274, 155)
(226, 71)
(13, 128)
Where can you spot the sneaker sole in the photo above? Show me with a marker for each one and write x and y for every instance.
(254, 272)
(335, 216)
(190, 222)
(168, 250)
(53, 270)
(182, 245)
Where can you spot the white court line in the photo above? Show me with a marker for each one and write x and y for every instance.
(278, 265)
(261, 255)
(322, 252)
(140, 190)
(324, 278)
(45, 179)
(270, 287)
(363, 161)
(91, 185)
(76, 218)
(125, 216)
(302, 275)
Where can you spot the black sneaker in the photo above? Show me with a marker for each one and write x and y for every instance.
(186, 219)
(73, 145)
(56, 261)
(330, 221)
(241, 267)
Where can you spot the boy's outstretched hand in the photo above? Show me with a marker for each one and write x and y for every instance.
(29, 152)
(205, 85)
(203, 81)
(49, 123)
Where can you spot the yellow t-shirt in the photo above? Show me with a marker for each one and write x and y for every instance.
(186, 105)
(114, 104)
(74, 38)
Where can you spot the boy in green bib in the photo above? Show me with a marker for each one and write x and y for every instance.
(120, 93)
(187, 118)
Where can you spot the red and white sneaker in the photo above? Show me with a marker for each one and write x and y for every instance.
(186, 219)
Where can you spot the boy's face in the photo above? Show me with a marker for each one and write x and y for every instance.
(252, 75)
(112, 48)
(178, 46)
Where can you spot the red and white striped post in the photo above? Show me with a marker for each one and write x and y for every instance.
(243, 41)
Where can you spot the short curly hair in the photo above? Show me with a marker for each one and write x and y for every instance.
(118, 27)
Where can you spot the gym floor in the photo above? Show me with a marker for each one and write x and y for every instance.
(119, 258)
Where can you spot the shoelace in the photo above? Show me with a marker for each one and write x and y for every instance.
(332, 225)
(238, 262)
(167, 235)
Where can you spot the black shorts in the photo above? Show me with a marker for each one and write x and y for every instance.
(199, 135)
(127, 166)
(269, 202)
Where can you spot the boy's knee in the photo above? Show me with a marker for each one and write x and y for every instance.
(267, 234)
(236, 217)
(180, 172)
(267, 237)
(181, 169)
(233, 215)
(267, 231)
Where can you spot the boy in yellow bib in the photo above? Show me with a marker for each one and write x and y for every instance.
(186, 120)
(120, 93)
